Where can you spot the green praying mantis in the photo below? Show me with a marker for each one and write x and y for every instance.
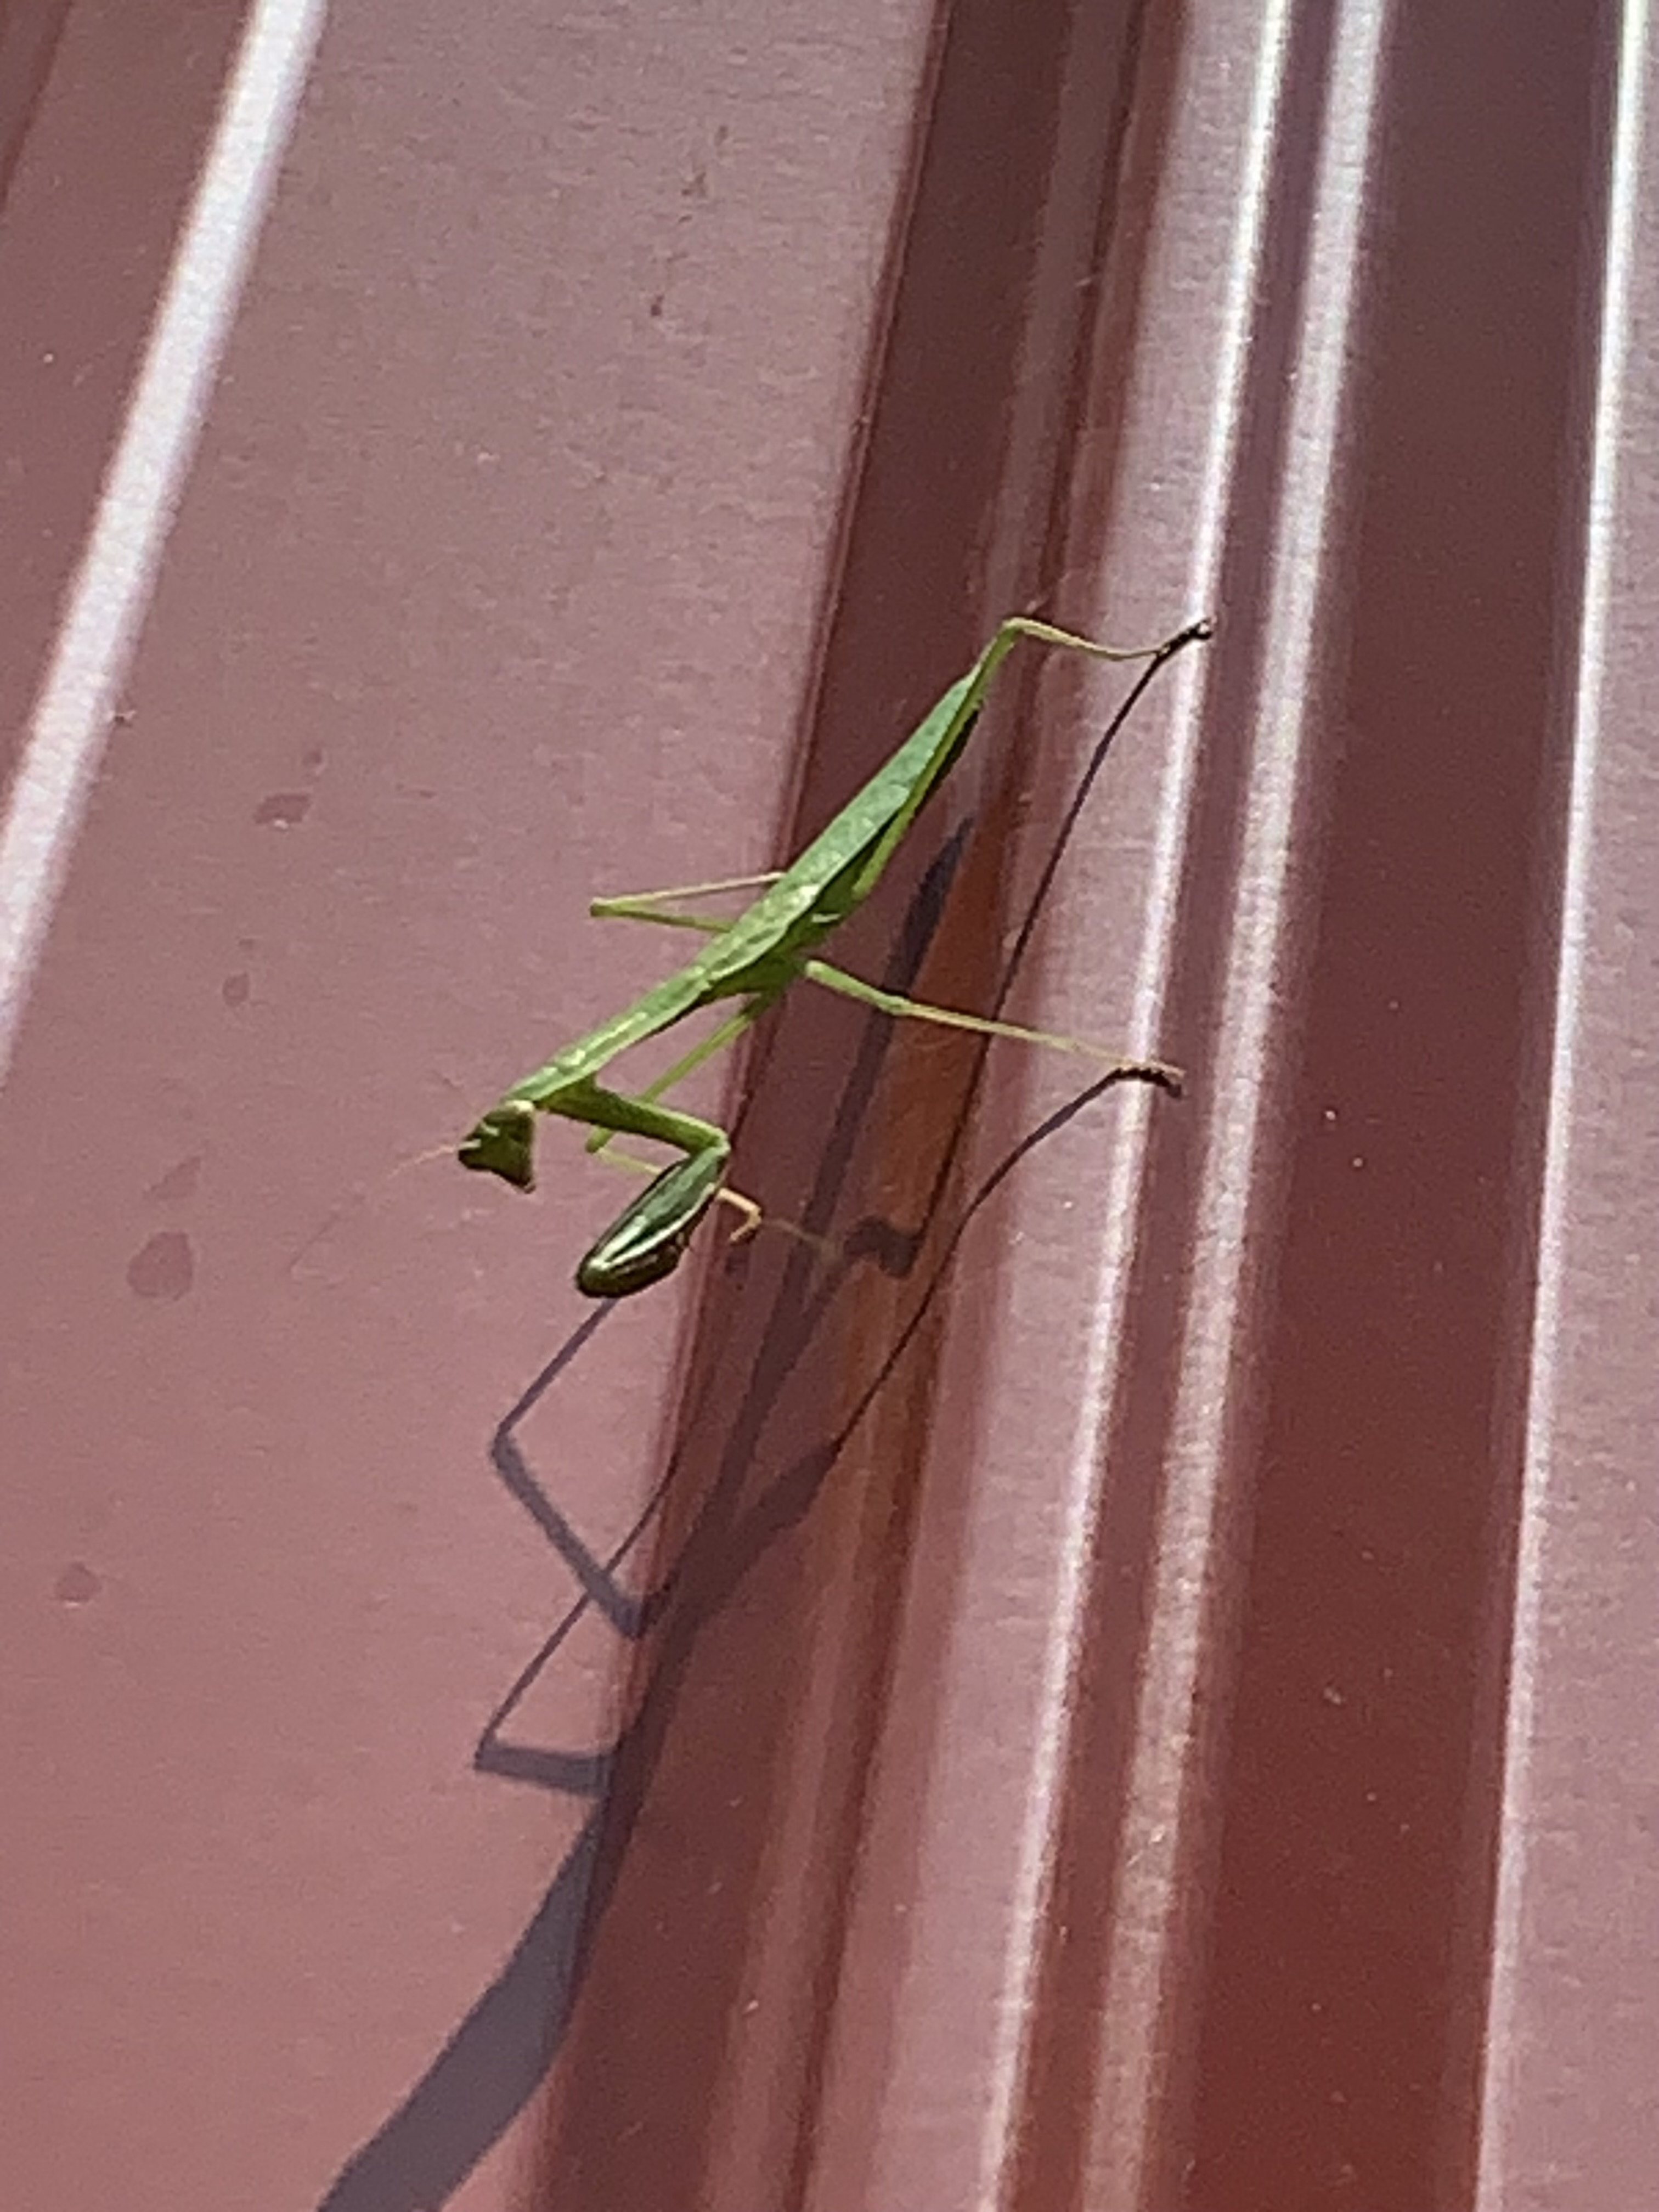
(754, 957)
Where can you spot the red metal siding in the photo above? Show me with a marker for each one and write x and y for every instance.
(1148, 1697)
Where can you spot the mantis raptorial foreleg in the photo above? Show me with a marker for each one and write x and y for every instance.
(755, 957)
(648, 1237)
(717, 1040)
(750, 1216)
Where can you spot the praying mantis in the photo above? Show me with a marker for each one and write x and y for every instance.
(755, 957)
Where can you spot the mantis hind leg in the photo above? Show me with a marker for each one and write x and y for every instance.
(1195, 633)
(902, 1009)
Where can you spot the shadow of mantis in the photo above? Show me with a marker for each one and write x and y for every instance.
(502, 2050)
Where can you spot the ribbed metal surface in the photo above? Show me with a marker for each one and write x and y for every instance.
(1148, 1697)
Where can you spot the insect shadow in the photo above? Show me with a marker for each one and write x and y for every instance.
(502, 2050)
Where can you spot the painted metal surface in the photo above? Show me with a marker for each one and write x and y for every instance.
(1121, 1674)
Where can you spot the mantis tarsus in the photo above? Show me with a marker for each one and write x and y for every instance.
(755, 957)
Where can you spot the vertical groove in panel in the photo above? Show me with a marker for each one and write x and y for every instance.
(832, 1374)
(1180, 1749)
(1568, 2112)
(104, 607)
(1340, 2007)
(75, 325)
(1083, 1828)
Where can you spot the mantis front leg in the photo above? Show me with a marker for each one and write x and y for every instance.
(716, 1040)
(648, 1239)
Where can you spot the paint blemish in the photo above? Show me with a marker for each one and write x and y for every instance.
(77, 1584)
(179, 1183)
(234, 988)
(282, 809)
(165, 1268)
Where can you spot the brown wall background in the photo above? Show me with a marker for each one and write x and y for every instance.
(1122, 1676)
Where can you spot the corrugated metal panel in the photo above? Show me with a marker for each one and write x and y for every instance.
(1144, 1705)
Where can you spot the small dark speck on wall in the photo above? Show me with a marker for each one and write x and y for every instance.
(282, 809)
(165, 1268)
(77, 1584)
(179, 1183)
